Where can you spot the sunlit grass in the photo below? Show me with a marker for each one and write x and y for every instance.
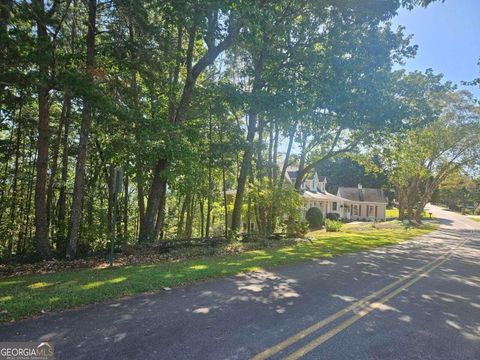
(393, 214)
(33, 294)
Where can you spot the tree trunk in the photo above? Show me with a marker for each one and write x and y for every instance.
(270, 153)
(147, 232)
(247, 155)
(13, 206)
(210, 179)
(287, 155)
(260, 166)
(225, 204)
(186, 201)
(161, 213)
(79, 184)
(21, 245)
(301, 165)
(401, 205)
(125, 211)
(244, 170)
(275, 155)
(190, 216)
(56, 150)
(41, 224)
(140, 192)
(62, 197)
(201, 205)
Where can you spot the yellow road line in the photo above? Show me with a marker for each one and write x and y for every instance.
(368, 309)
(358, 304)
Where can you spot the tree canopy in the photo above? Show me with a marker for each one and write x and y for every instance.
(202, 105)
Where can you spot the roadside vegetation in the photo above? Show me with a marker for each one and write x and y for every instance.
(146, 121)
(460, 192)
(394, 214)
(27, 295)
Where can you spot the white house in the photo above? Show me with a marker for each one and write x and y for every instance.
(350, 203)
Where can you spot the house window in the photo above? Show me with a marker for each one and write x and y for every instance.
(355, 210)
(334, 206)
(371, 210)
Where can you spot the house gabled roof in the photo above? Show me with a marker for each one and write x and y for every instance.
(292, 174)
(321, 196)
(363, 195)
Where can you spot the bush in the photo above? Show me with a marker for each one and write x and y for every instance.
(314, 217)
(333, 216)
(297, 228)
(333, 225)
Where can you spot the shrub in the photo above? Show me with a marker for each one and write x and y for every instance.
(273, 204)
(333, 216)
(297, 228)
(333, 225)
(314, 217)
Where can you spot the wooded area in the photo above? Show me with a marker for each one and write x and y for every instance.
(192, 99)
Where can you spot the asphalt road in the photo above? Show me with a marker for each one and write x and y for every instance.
(416, 300)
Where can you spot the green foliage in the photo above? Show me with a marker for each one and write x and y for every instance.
(351, 171)
(333, 216)
(273, 205)
(177, 83)
(314, 217)
(458, 191)
(418, 161)
(297, 228)
(333, 225)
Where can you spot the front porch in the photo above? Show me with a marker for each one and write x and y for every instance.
(327, 203)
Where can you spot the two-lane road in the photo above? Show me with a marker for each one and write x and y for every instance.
(416, 300)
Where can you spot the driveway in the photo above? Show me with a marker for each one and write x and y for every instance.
(416, 300)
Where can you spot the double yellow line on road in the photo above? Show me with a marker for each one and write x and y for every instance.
(365, 305)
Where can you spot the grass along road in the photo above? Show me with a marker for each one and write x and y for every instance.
(393, 214)
(24, 296)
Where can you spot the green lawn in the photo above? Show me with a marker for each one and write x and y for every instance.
(23, 296)
(393, 214)
(474, 218)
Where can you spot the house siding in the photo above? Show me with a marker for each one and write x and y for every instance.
(368, 211)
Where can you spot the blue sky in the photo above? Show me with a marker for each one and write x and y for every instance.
(448, 36)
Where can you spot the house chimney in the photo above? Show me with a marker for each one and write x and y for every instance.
(359, 186)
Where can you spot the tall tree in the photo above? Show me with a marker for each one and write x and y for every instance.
(44, 62)
(206, 25)
(79, 185)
